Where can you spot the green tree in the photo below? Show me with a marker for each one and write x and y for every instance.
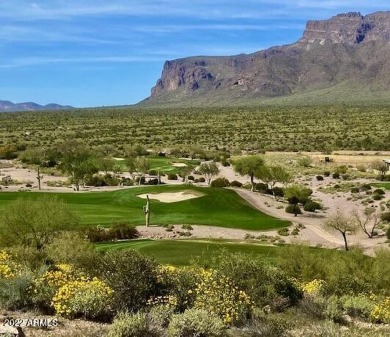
(184, 172)
(273, 175)
(208, 170)
(141, 166)
(106, 164)
(300, 192)
(250, 165)
(77, 161)
(342, 223)
(381, 167)
(34, 223)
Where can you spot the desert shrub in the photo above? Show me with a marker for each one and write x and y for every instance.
(130, 325)
(127, 182)
(388, 233)
(366, 187)
(217, 294)
(179, 284)
(377, 197)
(90, 299)
(196, 322)
(261, 187)
(8, 266)
(264, 326)
(305, 161)
(172, 176)
(381, 311)
(342, 169)
(361, 168)
(153, 173)
(313, 306)
(154, 181)
(15, 290)
(71, 248)
(201, 180)
(327, 173)
(97, 234)
(293, 209)
(345, 176)
(311, 206)
(319, 178)
(119, 231)
(140, 179)
(123, 230)
(131, 275)
(159, 317)
(355, 190)
(379, 191)
(48, 281)
(278, 191)
(192, 178)
(266, 285)
(333, 308)
(235, 183)
(283, 232)
(220, 182)
(357, 306)
(336, 175)
(385, 216)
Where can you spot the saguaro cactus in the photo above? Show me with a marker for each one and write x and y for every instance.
(39, 178)
(147, 211)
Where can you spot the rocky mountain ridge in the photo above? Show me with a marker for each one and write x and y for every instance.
(6, 106)
(346, 57)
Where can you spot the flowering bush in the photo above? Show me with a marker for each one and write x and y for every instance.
(177, 286)
(8, 267)
(88, 298)
(51, 280)
(313, 287)
(218, 295)
(381, 311)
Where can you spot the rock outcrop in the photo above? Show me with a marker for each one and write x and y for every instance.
(349, 53)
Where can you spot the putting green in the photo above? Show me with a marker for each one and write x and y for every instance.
(182, 252)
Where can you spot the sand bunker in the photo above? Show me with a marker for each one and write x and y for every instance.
(179, 164)
(172, 196)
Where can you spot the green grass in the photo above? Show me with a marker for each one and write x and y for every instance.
(217, 207)
(386, 186)
(182, 252)
(164, 164)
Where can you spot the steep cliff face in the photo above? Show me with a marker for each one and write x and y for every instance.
(349, 28)
(348, 49)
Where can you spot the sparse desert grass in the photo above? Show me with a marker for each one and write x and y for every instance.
(273, 128)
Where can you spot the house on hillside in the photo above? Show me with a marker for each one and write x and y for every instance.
(387, 162)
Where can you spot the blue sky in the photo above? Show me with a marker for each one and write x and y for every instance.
(111, 52)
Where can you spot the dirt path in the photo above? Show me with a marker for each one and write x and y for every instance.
(312, 232)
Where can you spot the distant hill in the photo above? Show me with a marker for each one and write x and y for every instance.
(30, 106)
(343, 59)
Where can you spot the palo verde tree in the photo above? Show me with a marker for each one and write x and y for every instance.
(273, 175)
(381, 167)
(208, 170)
(184, 172)
(141, 166)
(77, 161)
(342, 223)
(250, 165)
(34, 222)
(369, 221)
